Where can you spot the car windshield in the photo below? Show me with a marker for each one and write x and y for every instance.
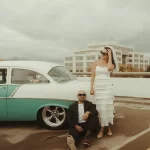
(61, 74)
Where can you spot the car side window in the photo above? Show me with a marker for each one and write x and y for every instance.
(25, 76)
(3, 76)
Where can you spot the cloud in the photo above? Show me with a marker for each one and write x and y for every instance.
(62, 26)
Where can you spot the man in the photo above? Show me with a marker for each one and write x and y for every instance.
(82, 120)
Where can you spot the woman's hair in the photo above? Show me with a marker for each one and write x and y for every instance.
(112, 58)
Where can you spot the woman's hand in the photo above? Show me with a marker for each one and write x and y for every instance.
(92, 91)
(109, 52)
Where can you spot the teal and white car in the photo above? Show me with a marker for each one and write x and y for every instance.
(35, 90)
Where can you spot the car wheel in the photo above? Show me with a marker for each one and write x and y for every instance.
(53, 117)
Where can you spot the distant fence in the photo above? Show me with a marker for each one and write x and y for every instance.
(128, 86)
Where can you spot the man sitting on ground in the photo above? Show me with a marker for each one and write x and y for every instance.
(82, 121)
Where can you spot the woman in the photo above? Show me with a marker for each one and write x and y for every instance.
(101, 87)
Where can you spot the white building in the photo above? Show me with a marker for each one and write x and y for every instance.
(137, 60)
(82, 60)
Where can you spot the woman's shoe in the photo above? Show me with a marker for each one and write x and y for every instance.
(109, 133)
(100, 135)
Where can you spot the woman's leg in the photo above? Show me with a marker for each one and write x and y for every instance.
(109, 131)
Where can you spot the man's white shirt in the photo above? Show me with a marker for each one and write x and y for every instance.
(81, 112)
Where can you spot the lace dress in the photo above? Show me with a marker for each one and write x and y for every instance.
(104, 95)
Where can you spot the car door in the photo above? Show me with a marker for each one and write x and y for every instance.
(3, 93)
(23, 80)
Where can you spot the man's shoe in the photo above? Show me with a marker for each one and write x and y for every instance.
(86, 142)
(71, 142)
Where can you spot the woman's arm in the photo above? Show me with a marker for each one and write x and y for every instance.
(110, 66)
(93, 75)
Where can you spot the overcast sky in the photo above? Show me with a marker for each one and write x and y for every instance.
(46, 27)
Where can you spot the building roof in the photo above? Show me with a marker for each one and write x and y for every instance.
(87, 51)
(37, 65)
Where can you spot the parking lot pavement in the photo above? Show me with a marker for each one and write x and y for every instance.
(24, 135)
(131, 131)
(139, 143)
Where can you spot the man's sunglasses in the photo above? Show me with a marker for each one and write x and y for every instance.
(103, 53)
(82, 94)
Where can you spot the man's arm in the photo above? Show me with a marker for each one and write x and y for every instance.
(70, 118)
(92, 109)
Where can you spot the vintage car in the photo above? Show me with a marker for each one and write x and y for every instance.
(36, 90)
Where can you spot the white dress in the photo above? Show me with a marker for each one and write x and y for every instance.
(104, 95)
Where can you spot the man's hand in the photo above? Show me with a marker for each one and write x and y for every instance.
(79, 128)
(86, 115)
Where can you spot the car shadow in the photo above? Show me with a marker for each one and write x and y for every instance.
(26, 124)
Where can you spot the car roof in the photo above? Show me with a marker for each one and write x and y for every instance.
(37, 65)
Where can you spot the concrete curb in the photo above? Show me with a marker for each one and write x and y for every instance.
(128, 97)
(132, 102)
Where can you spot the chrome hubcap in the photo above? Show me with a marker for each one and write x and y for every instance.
(54, 116)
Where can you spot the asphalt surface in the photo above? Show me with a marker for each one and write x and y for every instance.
(131, 131)
(140, 143)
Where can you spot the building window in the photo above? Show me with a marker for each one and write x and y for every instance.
(90, 57)
(79, 57)
(130, 55)
(141, 66)
(141, 61)
(118, 53)
(141, 56)
(135, 55)
(78, 70)
(146, 61)
(68, 58)
(118, 58)
(79, 64)
(68, 64)
(88, 64)
(135, 60)
(129, 60)
(136, 66)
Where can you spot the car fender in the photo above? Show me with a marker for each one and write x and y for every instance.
(56, 104)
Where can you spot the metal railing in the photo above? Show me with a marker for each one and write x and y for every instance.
(118, 74)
